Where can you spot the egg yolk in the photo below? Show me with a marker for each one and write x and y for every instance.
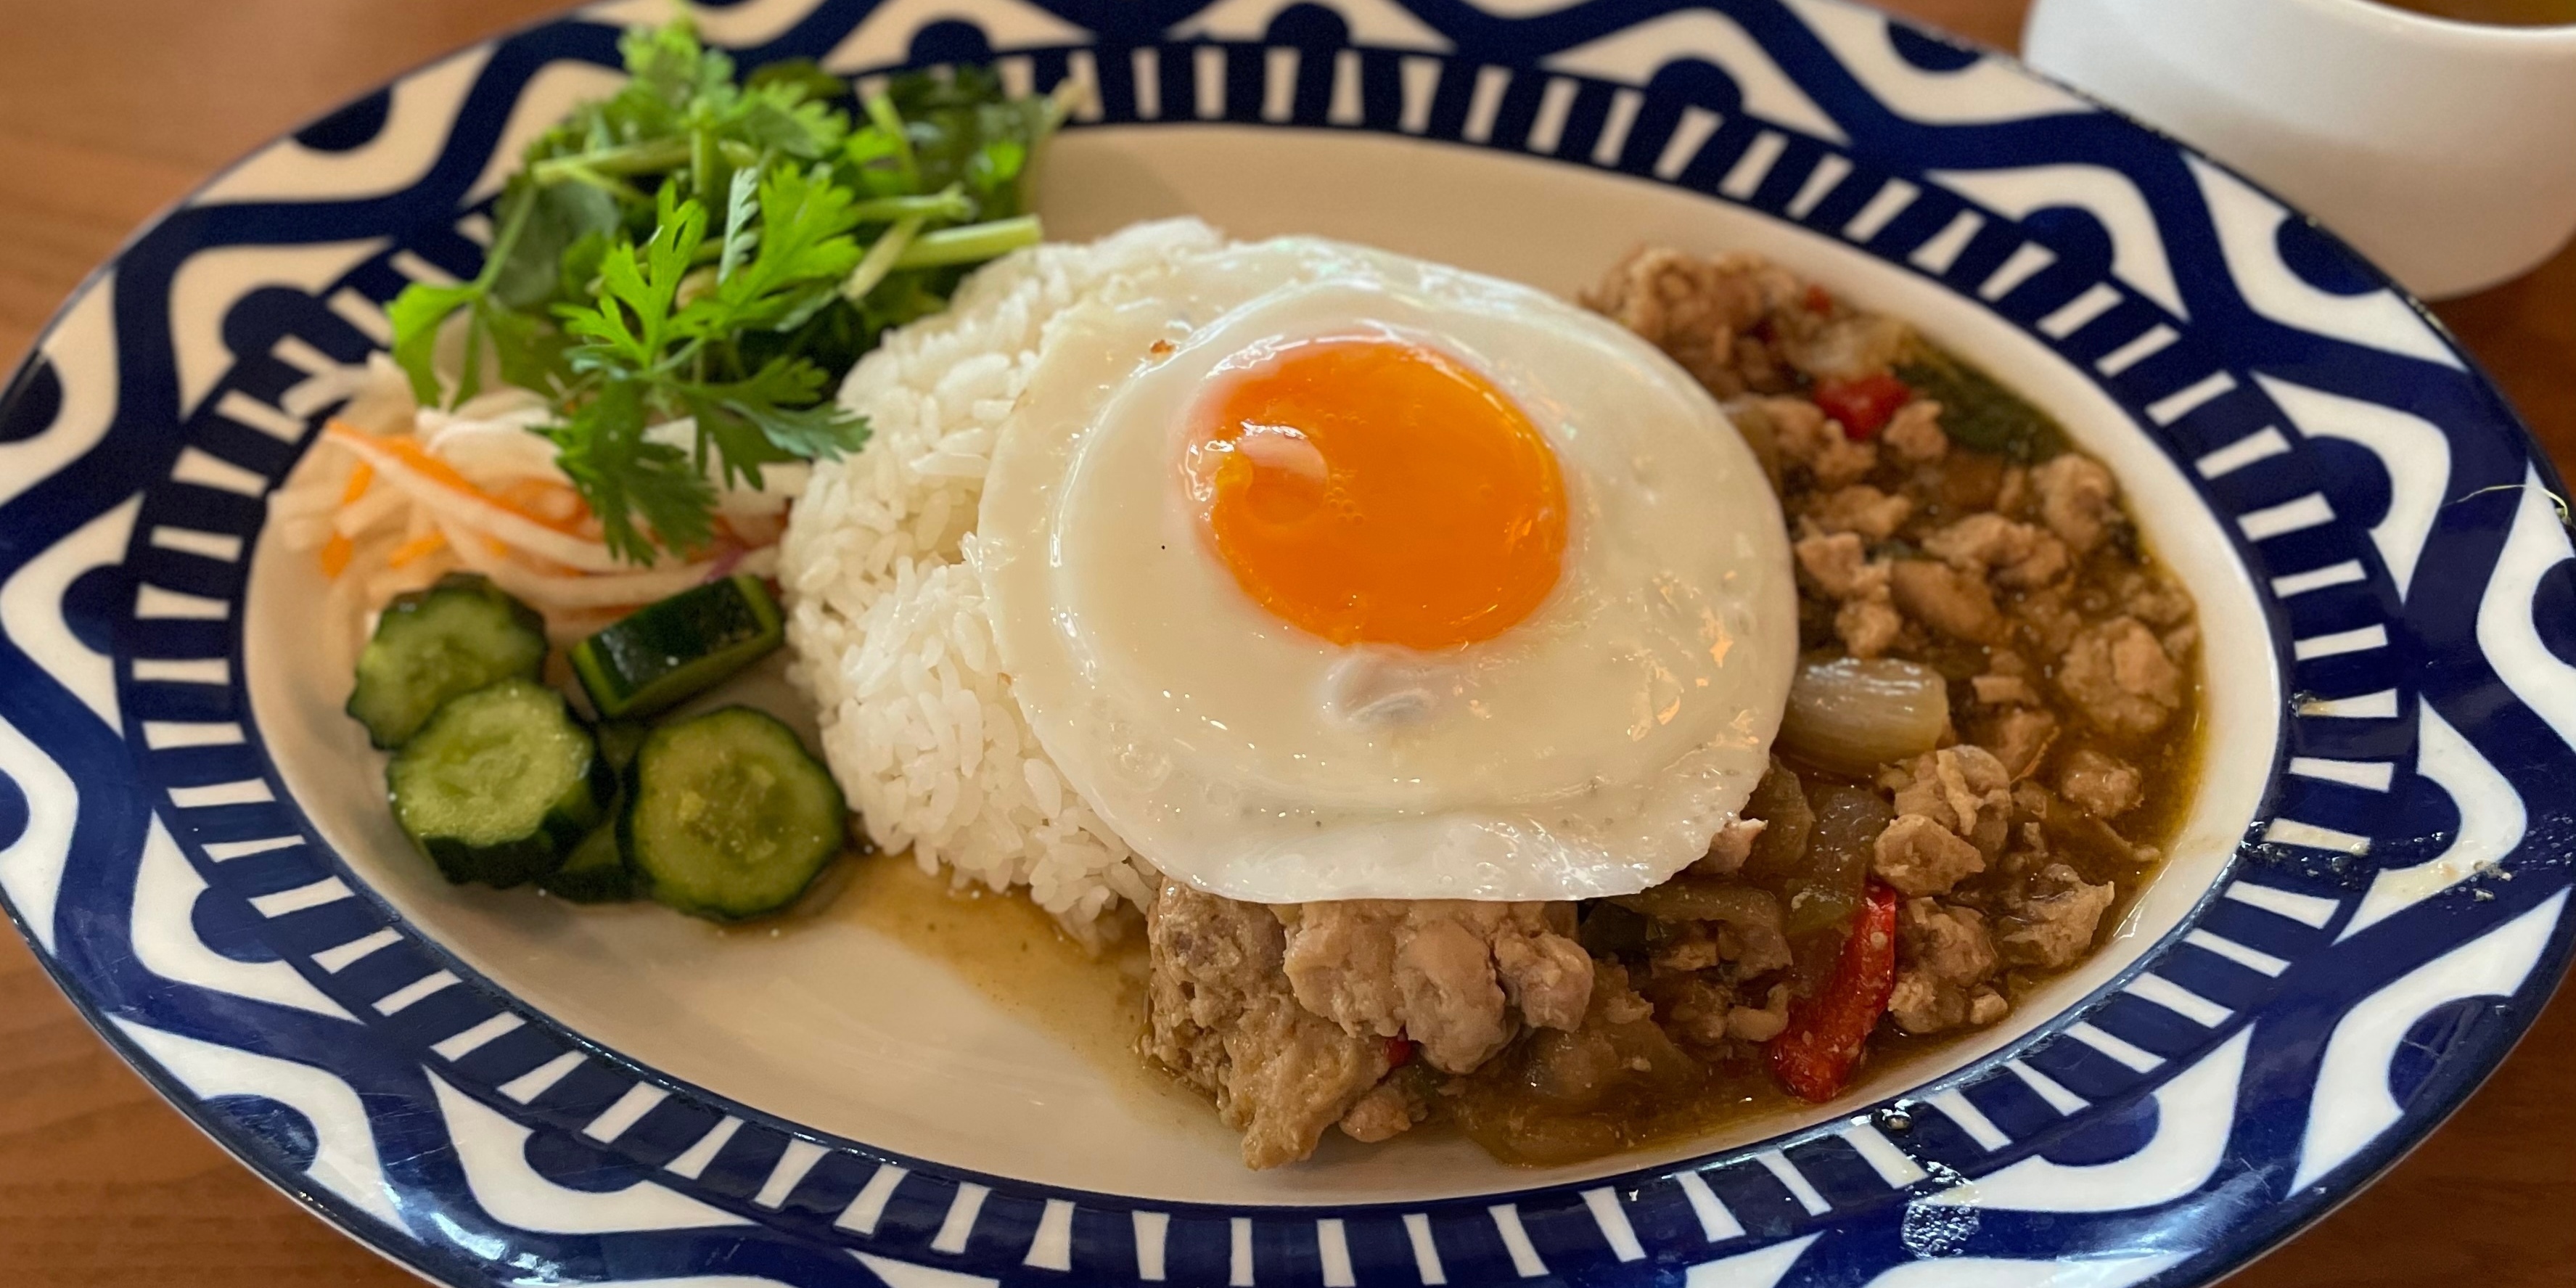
(1369, 490)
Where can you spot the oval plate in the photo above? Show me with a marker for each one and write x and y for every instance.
(2366, 909)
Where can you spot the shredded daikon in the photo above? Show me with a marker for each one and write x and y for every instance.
(394, 496)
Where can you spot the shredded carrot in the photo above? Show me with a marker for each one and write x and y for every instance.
(430, 467)
(336, 553)
(557, 502)
(416, 549)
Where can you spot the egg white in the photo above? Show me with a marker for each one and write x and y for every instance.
(1590, 750)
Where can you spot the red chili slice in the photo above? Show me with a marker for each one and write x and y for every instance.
(1399, 1053)
(1865, 405)
(1814, 1057)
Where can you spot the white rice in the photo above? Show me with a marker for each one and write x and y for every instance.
(886, 606)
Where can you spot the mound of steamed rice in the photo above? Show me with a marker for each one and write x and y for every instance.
(886, 605)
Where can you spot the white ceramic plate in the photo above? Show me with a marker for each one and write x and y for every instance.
(2360, 915)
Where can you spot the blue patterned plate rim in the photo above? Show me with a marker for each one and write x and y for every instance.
(2088, 1146)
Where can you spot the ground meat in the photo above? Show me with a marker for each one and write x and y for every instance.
(2077, 499)
(1803, 437)
(2052, 923)
(2047, 623)
(1695, 308)
(1868, 627)
(2072, 830)
(2154, 599)
(2020, 738)
(1733, 319)
(1390, 1109)
(1546, 976)
(1838, 565)
(1456, 977)
(2012, 494)
(2031, 801)
(1919, 856)
(1943, 960)
(1965, 789)
(2014, 554)
(2119, 675)
(1692, 949)
(1760, 1023)
(1753, 941)
(1730, 847)
(1709, 1015)
(1987, 1006)
(1914, 433)
(1692, 1006)
(2004, 691)
(1955, 603)
(2104, 784)
(1221, 1016)
(2006, 682)
(1862, 509)
(2181, 640)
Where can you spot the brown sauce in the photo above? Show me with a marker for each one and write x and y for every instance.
(1009, 950)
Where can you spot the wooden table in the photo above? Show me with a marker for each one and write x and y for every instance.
(111, 109)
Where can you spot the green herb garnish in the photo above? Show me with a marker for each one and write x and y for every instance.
(694, 247)
(1977, 410)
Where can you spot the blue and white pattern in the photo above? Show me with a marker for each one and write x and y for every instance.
(2389, 926)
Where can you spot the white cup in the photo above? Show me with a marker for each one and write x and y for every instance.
(2445, 151)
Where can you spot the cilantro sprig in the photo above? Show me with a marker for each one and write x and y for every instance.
(697, 248)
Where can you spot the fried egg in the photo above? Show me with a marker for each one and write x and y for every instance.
(1327, 573)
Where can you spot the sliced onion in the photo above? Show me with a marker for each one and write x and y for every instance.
(1852, 715)
(549, 591)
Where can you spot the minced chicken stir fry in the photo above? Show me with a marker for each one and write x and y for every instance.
(1991, 734)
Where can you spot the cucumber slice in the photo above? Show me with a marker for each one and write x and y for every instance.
(596, 872)
(667, 653)
(727, 817)
(500, 785)
(431, 645)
